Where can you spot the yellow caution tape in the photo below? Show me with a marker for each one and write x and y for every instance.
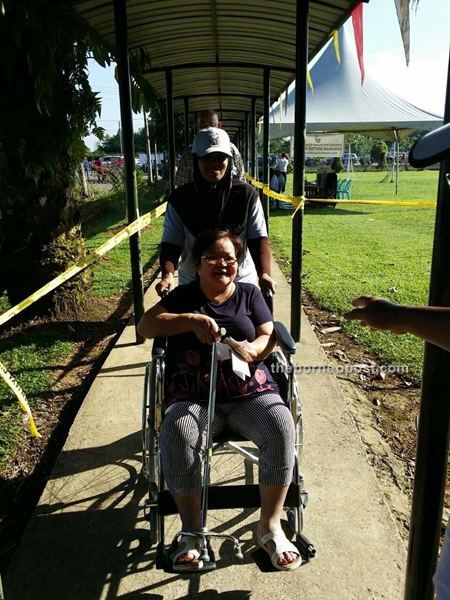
(269, 192)
(4, 374)
(378, 202)
(127, 232)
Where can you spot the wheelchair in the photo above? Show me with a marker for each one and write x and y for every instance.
(160, 503)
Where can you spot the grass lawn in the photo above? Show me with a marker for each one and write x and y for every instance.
(31, 358)
(376, 250)
(378, 185)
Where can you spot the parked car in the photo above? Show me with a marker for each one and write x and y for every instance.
(353, 159)
(109, 161)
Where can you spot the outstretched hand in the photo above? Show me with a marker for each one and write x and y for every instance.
(376, 313)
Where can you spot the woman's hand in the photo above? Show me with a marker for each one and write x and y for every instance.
(253, 353)
(205, 328)
(166, 283)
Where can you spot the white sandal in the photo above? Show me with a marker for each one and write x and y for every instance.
(282, 544)
(191, 544)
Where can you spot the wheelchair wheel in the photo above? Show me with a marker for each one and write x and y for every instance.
(151, 419)
(144, 431)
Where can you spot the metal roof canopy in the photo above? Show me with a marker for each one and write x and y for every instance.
(217, 49)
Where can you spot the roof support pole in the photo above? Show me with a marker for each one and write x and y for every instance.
(148, 146)
(170, 128)
(187, 140)
(254, 133)
(246, 143)
(266, 141)
(434, 416)
(301, 66)
(123, 66)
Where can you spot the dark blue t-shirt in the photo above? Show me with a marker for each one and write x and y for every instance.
(190, 359)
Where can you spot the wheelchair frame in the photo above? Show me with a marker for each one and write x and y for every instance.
(160, 502)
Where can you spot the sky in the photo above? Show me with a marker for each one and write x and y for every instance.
(423, 83)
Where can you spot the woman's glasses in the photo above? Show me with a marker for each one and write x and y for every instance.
(213, 260)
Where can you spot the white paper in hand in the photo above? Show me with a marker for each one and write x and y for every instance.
(238, 364)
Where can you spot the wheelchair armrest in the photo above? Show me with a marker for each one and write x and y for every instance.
(284, 338)
(159, 348)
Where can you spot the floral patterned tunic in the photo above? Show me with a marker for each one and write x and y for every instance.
(189, 360)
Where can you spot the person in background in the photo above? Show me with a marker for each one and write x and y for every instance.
(213, 199)
(86, 167)
(282, 165)
(185, 171)
(432, 324)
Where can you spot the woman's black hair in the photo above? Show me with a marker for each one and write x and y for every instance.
(206, 240)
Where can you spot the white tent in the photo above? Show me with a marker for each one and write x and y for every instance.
(340, 103)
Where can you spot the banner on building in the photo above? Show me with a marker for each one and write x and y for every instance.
(323, 145)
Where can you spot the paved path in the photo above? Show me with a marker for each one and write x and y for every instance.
(88, 539)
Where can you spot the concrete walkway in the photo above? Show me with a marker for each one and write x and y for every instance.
(88, 539)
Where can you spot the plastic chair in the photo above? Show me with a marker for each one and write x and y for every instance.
(344, 191)
(340, 183)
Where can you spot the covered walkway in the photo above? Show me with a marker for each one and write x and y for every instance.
(88, 539)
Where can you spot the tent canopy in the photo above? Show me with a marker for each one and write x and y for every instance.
(340, 103)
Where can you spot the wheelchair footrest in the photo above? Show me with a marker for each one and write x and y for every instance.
(166, 563)
(229, 496)
(306, 547)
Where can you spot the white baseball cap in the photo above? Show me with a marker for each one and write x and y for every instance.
(209, 140)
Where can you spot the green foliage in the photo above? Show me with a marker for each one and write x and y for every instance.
(45, 79)
(337, 165)
(360, 144)
(33, 355)
(378, 148)
(117, 178)
(277, 147)
(157, 124)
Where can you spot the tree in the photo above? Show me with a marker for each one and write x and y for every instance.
(337, 165)
(48, 108)
(279, 146)
(360, 144)
(157, 131)
(378, 152)
(110, 144)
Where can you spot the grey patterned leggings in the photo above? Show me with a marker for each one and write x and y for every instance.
(266, 421)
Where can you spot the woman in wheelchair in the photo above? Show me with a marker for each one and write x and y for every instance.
(191, 315)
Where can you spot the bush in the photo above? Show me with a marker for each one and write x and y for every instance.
(117, 177)
(377, 149)
(337, 165)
